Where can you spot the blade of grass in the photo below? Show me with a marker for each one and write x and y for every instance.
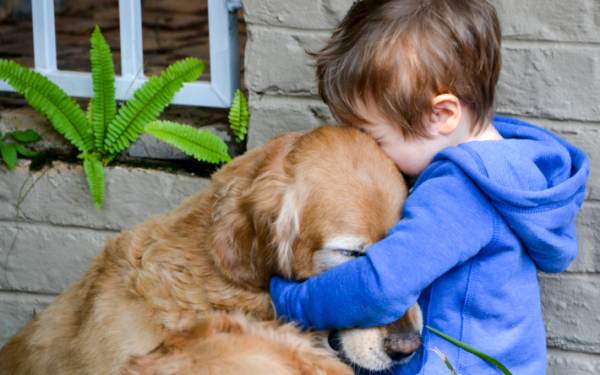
(472, 350)
(446, 361)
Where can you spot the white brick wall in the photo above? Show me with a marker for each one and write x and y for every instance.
(550, 77)
(60, 230)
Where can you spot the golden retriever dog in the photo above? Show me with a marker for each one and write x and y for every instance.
(296, 207)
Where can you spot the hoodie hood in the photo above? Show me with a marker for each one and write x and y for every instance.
(535, 180)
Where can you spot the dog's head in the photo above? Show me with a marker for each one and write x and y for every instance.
(302, 204)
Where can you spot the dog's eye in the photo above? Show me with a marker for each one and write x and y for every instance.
(350, 253)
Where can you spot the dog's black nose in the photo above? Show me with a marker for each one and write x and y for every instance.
(398, 356)
(400, 348)
(335, 340)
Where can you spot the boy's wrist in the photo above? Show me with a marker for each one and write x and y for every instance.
(280, 289)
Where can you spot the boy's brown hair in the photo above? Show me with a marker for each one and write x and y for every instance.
(396, 55)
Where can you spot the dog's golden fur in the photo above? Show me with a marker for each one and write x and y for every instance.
(265, 213)
(231, 345)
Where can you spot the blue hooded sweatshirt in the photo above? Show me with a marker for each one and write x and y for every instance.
(478, 224)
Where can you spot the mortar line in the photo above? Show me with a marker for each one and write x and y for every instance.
(569, 273)
(557, 121)
(507, 41)
(536, 43)
(553, 348)
(41, 224)
(306, 98)
(28, 293)
(324, 33)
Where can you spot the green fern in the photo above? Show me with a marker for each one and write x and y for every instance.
(103, 77)
(148, 102)
(101, 133)
(201, 144)
(94, 171)
(238, 116)
(50, 100)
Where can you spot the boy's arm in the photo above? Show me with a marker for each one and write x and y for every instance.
(446, 221)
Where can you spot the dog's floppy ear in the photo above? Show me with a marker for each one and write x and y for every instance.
(255, 215)
(287, 229)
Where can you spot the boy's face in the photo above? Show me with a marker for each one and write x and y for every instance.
(411, 156)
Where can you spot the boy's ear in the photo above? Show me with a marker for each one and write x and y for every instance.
(446, 115)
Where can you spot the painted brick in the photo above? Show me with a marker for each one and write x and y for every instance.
(588, 235)
(587, 138)
(16, 310)
(62, 197)
(549, 20)
(558, 82)
(44, 258)
(277, 62)
(571, 309)
(568, 363)
(270, 116)
(584, 136)
(305, 14)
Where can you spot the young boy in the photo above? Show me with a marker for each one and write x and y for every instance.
(493, 202)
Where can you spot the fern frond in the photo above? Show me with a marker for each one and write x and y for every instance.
(201, 144)
(89, 114)
(106, 159)
(50, 100)
(238, 116)
(103, 79)
(95, 176)
(148, 102)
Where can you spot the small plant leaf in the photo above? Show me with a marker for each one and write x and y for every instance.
(95, 177)
(103, 81)
(238, 116)
(50, 100)
(26, 136)
(148, 102)
(471, 350)
(23, 151)
(201, 144)
(9, 154)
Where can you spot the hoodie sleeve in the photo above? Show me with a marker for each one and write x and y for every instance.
(446, 221)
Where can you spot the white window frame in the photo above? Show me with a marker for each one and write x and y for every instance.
(224, 55)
